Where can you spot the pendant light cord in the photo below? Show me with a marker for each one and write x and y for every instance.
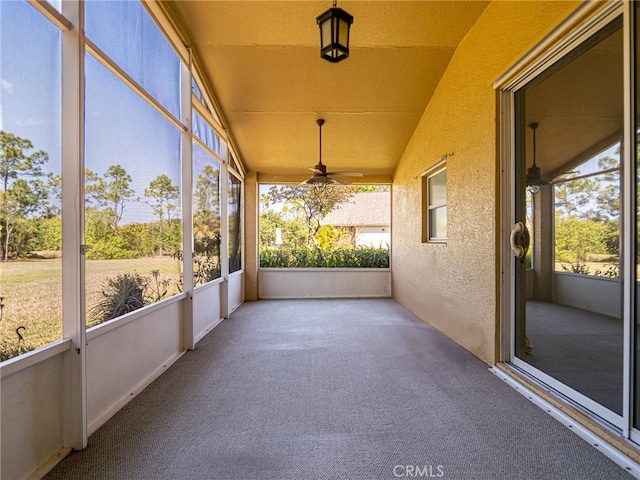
(534, 127)
(320, 123)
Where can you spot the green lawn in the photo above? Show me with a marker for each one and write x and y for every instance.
(31, 292)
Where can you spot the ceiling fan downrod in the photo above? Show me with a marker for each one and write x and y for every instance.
(320, 166)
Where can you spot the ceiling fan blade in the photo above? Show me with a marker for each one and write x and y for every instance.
(339, 180)
(347, 174)
(315, 170)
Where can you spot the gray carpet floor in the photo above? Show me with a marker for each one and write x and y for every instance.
(332, 389)
(583, 350)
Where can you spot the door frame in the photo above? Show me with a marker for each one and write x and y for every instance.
(586, 21)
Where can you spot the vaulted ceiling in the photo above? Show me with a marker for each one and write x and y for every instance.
(262, 61)
(579, 104)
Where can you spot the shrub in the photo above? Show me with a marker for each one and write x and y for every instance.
(577, 267)
(305, 257)
(610, 270)
(109, 250)
(123, 294)
(205, 268)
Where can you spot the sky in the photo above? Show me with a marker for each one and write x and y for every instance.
(30, 77)
(121, 128)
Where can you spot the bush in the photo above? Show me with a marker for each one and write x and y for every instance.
(123, 294)
(205, 269)
(130, 291)
(108, 249)
(305, 257)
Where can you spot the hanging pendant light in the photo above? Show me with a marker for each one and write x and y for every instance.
(334, 24)
(534, 176)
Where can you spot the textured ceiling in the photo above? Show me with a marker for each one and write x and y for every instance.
(579, 106)
(262, 60)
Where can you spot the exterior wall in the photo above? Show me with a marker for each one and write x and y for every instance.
(373, 236)
(324, 282)
(455, 286)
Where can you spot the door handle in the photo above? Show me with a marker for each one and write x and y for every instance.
(519, 240)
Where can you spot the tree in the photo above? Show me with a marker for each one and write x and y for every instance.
(206, 225)
(313, 202)
(573, 195)
(162, 195)
(111, 191)
(235, 223)
(588, 214)
(54, 189)
(608, 201)
(577, 238)
(269, 222)
(206, 197)
(608, 193)
(371, 188)
(20, 197)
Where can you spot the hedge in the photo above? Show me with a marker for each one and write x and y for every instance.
(305, 257)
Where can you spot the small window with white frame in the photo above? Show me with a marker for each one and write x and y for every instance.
(434, 204)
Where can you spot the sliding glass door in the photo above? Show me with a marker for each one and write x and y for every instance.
(633, 142)
(567, 227)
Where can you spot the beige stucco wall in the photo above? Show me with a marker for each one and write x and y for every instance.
(454, 286)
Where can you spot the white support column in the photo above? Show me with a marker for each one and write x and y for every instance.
(73, 325)
(188, 340)
(543, 215)
(224, 242)
(251, 213)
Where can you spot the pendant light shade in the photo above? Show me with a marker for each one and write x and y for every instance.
(334, 24)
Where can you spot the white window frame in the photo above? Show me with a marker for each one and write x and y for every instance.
(427, 207)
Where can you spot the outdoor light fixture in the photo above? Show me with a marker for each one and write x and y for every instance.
(334, 33)
(534, 177)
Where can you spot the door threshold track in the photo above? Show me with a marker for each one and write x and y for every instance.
(595, 440)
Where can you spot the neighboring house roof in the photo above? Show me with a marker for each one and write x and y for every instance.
(362, 210)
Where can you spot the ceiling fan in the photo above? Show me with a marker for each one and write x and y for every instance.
(320, 174)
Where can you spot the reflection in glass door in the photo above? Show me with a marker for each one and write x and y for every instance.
(569, 328)
(634, 144)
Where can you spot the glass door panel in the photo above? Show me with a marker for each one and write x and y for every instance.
(569, 316)
(636, 142)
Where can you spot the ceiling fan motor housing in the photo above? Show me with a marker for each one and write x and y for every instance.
(322, 167)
